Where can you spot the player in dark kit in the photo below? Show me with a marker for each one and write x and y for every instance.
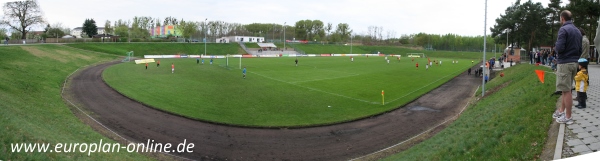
(296, 61)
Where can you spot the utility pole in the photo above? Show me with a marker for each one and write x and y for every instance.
(284, 35)
(205, 32)
(484, 44)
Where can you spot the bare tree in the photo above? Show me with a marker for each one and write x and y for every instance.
(22, 15)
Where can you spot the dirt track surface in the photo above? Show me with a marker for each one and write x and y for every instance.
(139, 123)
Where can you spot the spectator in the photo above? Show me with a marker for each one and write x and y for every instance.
(568, 48)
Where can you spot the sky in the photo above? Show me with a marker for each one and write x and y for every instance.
(462, 17)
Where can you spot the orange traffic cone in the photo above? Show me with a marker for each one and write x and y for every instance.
(540, 74)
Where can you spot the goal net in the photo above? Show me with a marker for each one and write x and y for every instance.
(128, 57)
(415, 55)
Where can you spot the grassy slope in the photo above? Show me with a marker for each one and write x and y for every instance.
(510, 124)
(276, 93)
(32, 110)
(161, 48)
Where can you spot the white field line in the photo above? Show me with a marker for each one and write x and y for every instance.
(324, 79)
(456, 116)
(62, 95)
(314, 89)
(421, 87)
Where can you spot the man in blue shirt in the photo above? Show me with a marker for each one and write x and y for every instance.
(568, 49)
(244, 72)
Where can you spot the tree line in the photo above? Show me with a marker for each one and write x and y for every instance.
(532, 25)
(526, 24)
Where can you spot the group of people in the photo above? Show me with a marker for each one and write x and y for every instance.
(572, 63)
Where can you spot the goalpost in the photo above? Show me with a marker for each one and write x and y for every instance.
(227, 61)
(128, 57)
(415, 55)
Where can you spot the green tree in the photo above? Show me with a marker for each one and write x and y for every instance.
(108, 29)
(21, 16)
(89, 28)
(122, 28)
(3, 32)
(585, 15)
(188, 28)
(55, 32)
(526, 23)
(344, 31)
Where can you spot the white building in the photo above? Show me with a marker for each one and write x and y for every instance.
(240, 39)
(79, 30)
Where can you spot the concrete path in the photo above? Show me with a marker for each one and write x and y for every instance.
(582, 137)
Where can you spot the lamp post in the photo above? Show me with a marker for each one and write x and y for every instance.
(205, 32)
(484, 44)
(284, 35)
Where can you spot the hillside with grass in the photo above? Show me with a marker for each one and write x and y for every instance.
(162, 48)
(33, 110)
(510, 123)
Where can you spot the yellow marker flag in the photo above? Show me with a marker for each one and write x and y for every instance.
(382, 98)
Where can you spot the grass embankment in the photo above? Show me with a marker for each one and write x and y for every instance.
(276, 92)
(140, 49)
(32, 110)
(509, 124)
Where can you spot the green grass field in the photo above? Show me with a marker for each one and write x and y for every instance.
(510, 124)
(32, 110)
(276, 93)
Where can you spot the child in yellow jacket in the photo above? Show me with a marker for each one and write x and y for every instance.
(581, 83)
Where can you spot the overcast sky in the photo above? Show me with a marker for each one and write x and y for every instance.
(463, 17)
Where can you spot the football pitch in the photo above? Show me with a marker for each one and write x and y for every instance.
(276, 92)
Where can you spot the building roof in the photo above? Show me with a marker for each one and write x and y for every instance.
(266, 45)
(81, 28)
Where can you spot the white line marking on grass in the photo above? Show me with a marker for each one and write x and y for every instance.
(324, 79)
(421, 87)
(456, 116)
(335, 94)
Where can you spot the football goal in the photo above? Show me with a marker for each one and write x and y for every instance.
(128, 57)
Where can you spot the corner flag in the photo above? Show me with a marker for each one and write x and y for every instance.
(382, 98)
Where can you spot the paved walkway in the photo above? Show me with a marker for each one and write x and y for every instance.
(582, 137)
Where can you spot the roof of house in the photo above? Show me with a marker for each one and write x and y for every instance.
(81, 28)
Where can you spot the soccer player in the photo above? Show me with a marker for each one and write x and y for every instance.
(351, 59)
(172, 67)
(426, 67)
(202, 61)
(417, 65)
(211, 61)
(431, 63)
(388, 61)
(157, 63)
(146, 65)
(244, 72)
(398, 58)
(197, 60)
(294, 61)
(440, 63)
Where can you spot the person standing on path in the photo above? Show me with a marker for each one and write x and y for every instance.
(581, 83)
(568, 48)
